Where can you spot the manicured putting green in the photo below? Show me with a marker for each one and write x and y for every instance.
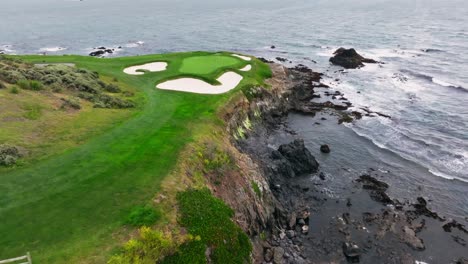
(207, 64)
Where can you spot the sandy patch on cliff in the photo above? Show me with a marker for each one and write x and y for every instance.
(246, 68)
(228, 81)
(152, 67)
(242, 57)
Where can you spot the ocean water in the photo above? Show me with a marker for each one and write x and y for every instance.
(423, 84)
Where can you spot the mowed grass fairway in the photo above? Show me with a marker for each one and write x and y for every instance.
(69, 208)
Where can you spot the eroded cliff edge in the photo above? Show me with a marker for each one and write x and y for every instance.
(273, 198)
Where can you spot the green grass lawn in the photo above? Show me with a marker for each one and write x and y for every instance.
(207, 64)
(68, 208)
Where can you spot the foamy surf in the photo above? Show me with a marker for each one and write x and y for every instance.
(52, 49)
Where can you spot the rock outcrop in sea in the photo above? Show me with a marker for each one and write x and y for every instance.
(349, 59)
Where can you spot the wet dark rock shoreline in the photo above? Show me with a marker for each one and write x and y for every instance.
(364, 226)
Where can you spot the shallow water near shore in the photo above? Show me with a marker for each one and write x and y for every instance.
(423, 84)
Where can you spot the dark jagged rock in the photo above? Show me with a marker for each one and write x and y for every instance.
(299, 157)
(352, 252)
(376, 188)
(281, 59)
(322, 176)
(453, 224)
(421, 209)
(325, 148)
(97, 53)
(100, 51)
(371, 183)
(349, 59)
(265, 60)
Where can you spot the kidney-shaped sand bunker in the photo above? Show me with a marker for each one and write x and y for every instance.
(151, 67)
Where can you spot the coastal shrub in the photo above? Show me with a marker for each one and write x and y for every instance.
(72, 102)
(8, 155)
(128, 94)
(112, 88)
(23, 84)
(35, 85)
(210, 218)
(215, 159)
(10, 76)
(87, 96)
(56, 88)
(107, 101)
(150, 247)
(83, 83)
(51, 80)
(30, 85)
(14, 90)
(143, 216)
(192, 252)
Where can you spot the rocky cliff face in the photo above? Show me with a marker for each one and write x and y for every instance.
(273, 203)
(260, 210)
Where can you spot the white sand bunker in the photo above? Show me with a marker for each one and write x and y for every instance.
(228, 80)
(242, 57)
(246, 68)
(152, 67)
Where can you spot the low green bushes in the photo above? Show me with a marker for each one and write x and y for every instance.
(8, 155)
(150, 247)
(30, 85)
(72, 102)
(14, 90)
(112, 88)
(207, 217)
(143, 216)
(58, 78)
(107, 101)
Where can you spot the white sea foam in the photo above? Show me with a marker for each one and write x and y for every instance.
(381, 54)
(443, 83)
(134, 44)
(52, 49)
(7, 49)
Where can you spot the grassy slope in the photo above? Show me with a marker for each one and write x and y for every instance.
(70, 206)
(31, 120)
